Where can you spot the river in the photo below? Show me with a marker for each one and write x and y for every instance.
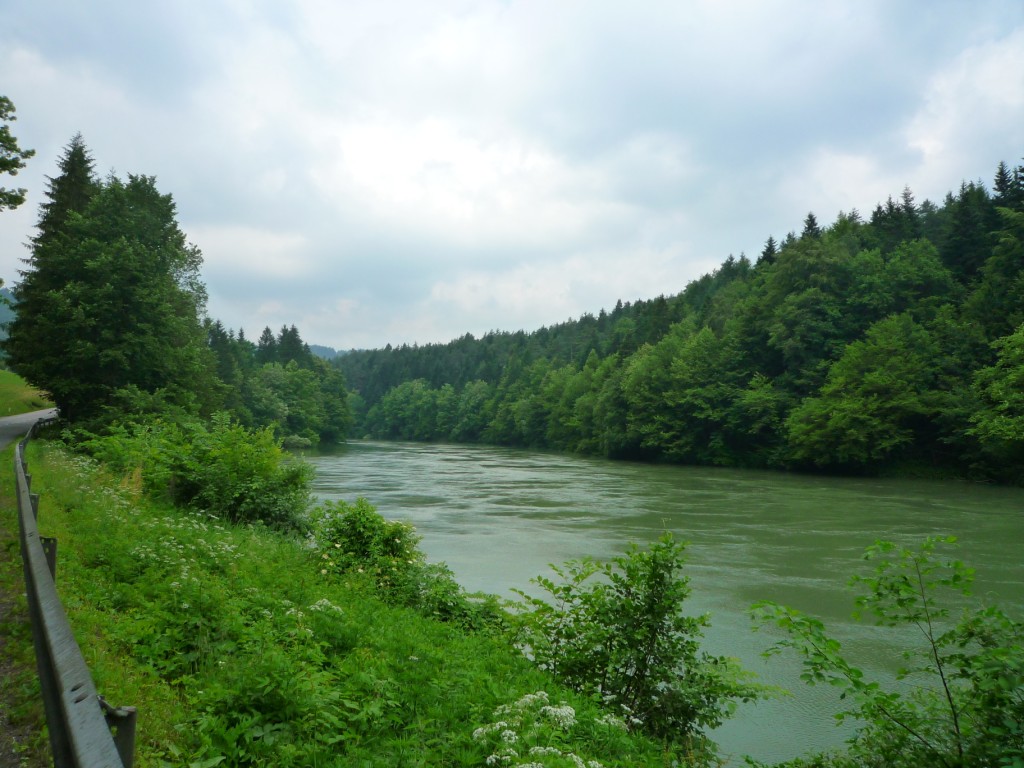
(498, 517)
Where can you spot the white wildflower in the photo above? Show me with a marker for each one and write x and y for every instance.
(563, 715)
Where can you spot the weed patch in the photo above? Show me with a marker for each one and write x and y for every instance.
(238, 650)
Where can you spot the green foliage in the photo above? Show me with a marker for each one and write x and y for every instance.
(999, 422)
(280, 384)
(12, 157)
(850, 348)
(354, 540)
(961, 701)
(112, 302)
(225, 469)
(617, 631)
(876, 396)
(18, 397)
(238, 652)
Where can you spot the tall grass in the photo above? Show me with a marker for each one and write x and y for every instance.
(239, 649)
(18, 397)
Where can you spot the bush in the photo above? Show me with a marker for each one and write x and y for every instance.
(355, 540)
(962, 701)
(237, 474)
(616, 631)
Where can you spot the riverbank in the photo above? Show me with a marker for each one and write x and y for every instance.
(233, 644)
(499, 516)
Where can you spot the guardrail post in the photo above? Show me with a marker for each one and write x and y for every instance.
(50, 550)
(121, 721)
(34, 500)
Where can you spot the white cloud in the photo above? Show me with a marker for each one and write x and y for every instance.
(972, 109)
(405, 171)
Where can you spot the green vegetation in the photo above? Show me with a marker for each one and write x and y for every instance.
(18, 397)
(617, 631)
(224, 470)
(12, 156)
(110, 321)
(353, 540)
(243, 646)
(961, 699)
(869, 345)
(250, 629)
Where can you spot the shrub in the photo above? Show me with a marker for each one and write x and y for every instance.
(962, 700)
(616, 630)
(354, 539)
(238, 474)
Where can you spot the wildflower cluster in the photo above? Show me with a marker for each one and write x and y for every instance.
(532, 733)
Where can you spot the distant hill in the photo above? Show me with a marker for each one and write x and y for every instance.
(6, 312)
(327, 353)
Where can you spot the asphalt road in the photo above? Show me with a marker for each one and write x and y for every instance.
(15, 427)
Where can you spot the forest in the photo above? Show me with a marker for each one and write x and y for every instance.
(891, 343)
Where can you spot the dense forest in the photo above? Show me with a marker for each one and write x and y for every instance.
(888, 343)
(111, 321)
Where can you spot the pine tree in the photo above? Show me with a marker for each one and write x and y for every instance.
(1009, 187)
(69, 192)
(109, 309)
(266, 348)
(769, 252)
(811, 228)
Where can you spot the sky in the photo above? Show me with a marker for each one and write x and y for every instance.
(406, 172)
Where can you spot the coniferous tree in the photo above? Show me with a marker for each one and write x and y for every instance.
(69, 192)
(1009, 186)
(811, 228)
(768, 252)
(266, 347)
(114, 309)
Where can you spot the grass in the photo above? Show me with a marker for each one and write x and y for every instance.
(18, 397)
(239, 650)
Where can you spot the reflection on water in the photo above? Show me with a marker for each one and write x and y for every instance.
(498, 517)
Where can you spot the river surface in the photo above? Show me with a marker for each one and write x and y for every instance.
(498, 517)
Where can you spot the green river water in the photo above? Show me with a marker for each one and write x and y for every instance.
(498, 517)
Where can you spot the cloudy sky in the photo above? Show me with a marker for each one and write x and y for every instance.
(399, 172)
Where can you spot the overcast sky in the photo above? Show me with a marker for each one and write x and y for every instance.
(399, 172)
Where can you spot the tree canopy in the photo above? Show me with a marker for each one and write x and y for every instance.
(111, 320)
(852, 347)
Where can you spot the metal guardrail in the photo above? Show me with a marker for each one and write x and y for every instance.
(85, 732)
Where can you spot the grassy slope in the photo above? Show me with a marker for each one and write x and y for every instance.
(232, 643)
(18, 397)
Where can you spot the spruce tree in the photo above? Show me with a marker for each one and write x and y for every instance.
(108, 312)
(69, 192)
(811, 228)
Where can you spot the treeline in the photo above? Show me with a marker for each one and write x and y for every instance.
(279, 382)
(111, 321)
(868, 344)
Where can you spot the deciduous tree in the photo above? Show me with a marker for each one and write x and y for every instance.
(12, 156)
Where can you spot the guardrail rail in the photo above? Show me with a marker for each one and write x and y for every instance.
(85, 731)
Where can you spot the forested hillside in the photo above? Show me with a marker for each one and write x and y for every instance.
(893, 342)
